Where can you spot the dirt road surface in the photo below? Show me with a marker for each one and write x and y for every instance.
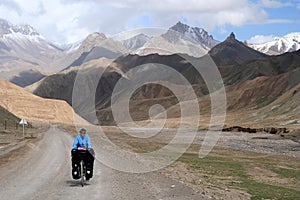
(44, 172)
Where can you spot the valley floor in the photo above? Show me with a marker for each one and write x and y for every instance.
(241, 166)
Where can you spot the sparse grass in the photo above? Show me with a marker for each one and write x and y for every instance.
(144, 147)
(232, 171)
(236, 169)
(222, 167)
(288, 173)
(264, 101)
(261, 191)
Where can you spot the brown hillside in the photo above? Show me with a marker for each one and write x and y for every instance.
(23, 104)
(285, 110)
(262, 102)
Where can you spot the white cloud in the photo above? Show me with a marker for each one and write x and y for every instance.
(259, 39)
(70, 20)
(10, 4)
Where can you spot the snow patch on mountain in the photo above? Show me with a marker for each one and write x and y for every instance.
(9, 28)
(279, 45)
(69, 47)
(23, 36)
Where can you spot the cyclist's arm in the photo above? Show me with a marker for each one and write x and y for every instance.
(89, 142)
(75, 143)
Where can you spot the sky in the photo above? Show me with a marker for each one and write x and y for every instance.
(68, 21)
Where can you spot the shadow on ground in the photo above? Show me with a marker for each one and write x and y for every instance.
(76, 183)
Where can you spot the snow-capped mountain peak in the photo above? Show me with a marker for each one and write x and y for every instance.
(9, 28)
(22, 47)
(20, 35)
(280, 45)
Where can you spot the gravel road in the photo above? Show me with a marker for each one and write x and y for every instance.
(44, 172)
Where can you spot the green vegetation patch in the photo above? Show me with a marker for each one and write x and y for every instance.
(222, 167)
(234, 171)
(288, 173)
(261, 191)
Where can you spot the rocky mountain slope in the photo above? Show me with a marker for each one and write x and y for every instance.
(26, 77)
(179, 38)
(60, 85)
(195, 33)
(10, 118)
(266, 66)
(232, 52)
(136, 41)
(285, 108)
(261, 103)
(23, 77)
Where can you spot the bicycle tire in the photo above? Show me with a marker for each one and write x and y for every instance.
(82, 173)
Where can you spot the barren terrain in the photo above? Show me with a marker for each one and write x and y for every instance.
(241, 166)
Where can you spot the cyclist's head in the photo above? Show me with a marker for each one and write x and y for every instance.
(82, 132)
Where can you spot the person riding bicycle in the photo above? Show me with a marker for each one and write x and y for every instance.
(82, 140)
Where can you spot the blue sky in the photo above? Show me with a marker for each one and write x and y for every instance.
(66, 21)
(286, 19)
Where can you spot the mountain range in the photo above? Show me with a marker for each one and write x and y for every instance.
(253, 80)
(23, 48)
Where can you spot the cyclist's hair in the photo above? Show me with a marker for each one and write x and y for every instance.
(82, 130)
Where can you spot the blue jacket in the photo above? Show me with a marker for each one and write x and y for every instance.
(79, 142)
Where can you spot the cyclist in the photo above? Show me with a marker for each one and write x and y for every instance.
(82, 140)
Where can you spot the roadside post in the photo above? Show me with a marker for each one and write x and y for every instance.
(23, 122)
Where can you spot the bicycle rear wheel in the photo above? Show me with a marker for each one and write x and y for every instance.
(82, 173)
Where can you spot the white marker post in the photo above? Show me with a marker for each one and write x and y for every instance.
(23, 122)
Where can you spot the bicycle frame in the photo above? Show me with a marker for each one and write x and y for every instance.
(82, 152)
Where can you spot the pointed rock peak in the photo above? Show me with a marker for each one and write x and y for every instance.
(180, 27)
(95, 37)
(91, 41)
(97, 34)
(231, 36)
(183, 28)
(179, 23)
(141, 35)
